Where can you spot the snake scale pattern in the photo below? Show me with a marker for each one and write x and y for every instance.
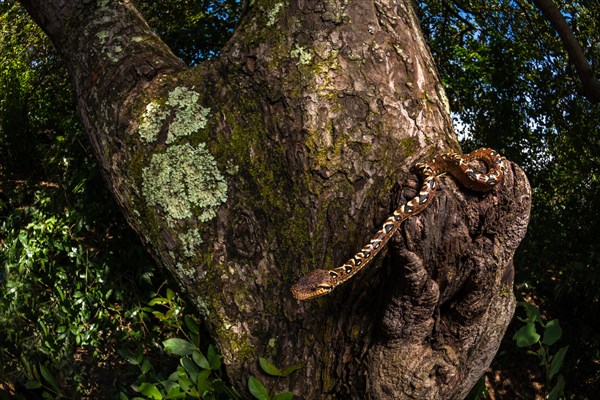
(321, 281)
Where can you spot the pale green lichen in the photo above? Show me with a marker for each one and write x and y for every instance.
(202, 306)
(272, 14)
(185, 270)
(152, 121)
(102, 36)
(111, 53)
(304, 57)
(189, 116)
(231, 168)
(190, 241)
(185, 182)
(444, 98)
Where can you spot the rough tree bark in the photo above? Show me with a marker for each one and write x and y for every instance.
(281, 156)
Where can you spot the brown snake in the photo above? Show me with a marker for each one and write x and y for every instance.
(321, 281)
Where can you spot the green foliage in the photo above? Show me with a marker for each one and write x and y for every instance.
(197, 374)
(35, 94)
(479, 391)
(257, 388)
(552, 363)
(194, 29)
(67, 281)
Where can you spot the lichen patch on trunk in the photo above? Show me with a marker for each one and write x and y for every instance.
(185, 182)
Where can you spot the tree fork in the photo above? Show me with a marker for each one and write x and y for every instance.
(279, 157)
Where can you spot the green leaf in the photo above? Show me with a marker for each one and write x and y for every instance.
(158, 300)
(214, 358)
(292, 368)
(168, 384)
(32, 384)
(186, 384)
(200, 360)
(257, 389)
(283, 396)
(146, 366)
(552, 332)
(526, 336)
(557, 362)
(191, 324)
(150, 390)
(175, 393)
(180, 347)
(269, 367)
(204, 384)
(49, 378)
(557, 390)
(190, 367)
(130, 357)
(533, 313)
(170, 294)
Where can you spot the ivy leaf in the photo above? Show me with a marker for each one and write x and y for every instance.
(129, 356)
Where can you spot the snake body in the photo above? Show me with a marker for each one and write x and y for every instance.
(321, 281)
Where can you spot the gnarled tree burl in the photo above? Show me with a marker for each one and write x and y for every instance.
(281, 156)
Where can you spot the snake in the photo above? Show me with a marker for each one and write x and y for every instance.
(322, 281)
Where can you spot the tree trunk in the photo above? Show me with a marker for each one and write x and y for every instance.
(282, 156)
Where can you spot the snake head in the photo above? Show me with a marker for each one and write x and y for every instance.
(317, 283)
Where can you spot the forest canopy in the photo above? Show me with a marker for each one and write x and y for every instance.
(511, 86)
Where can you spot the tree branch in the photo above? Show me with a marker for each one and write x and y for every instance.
(589, 82)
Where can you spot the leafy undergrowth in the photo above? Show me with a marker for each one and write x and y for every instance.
(83, 312)
(536, 358)
(73, 282)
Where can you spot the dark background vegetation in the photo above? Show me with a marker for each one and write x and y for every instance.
(75, 283)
